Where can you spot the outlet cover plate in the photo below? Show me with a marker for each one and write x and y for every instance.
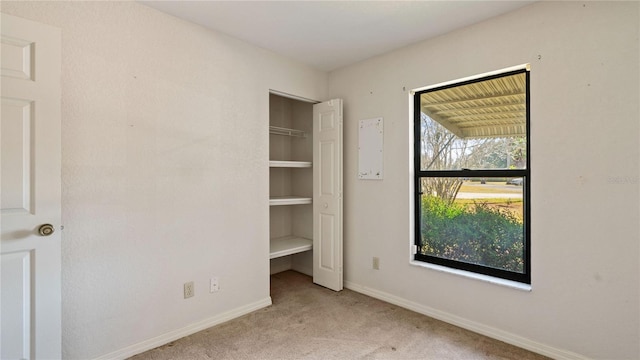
(188, 290)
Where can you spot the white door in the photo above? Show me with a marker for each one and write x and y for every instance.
(327, 194)
(30, 190)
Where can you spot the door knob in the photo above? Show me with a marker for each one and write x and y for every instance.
(46, 229)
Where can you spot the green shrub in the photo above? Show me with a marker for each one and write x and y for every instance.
(474, 233)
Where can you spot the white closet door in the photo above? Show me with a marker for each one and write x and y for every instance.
(327, 194)
(30, 187)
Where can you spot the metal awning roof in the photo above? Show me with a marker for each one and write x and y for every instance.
(489, 108)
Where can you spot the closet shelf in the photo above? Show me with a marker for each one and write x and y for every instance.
(289, 200)
(288, 245)
(276, 130)
(289, 164)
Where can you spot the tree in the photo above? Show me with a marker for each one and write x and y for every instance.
(443, 150)
(438, 153)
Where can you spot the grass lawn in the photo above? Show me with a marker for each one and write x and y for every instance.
(515, 206)
(489, 188)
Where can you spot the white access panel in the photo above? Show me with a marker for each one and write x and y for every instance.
(370, 149)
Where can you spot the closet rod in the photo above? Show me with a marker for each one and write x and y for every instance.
(285, 131)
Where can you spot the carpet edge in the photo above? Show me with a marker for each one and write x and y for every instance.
(185, 331)
(476, 327)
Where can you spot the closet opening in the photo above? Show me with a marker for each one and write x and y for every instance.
(290, 184)
(305, 185)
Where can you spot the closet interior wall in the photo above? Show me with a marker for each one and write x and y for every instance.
(293, 220)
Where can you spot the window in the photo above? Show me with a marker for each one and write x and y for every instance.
(472, 175)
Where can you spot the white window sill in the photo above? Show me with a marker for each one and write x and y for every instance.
(486, 278)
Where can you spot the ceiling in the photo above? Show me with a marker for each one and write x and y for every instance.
(331, 34)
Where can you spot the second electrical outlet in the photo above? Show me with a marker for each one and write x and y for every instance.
(376, 263)
(214, 284)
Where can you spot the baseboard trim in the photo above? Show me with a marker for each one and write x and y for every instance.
(479, 328)
(185, 331)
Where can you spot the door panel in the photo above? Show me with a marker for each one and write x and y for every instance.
(327, 164)
(327, 120)
(327, 194)
(17, 161)
(30, 187)
(16, 302)
(327, 231)
(16, 57)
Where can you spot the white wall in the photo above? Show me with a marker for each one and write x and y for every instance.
(164, 166)
(165, 146)
(585, 178)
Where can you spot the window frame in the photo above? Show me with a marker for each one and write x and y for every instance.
(418, 174)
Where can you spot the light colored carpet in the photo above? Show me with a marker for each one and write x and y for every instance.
(307, 321)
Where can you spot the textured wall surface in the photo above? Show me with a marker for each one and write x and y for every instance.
(165, 149)
(585, 165)
(165, 152)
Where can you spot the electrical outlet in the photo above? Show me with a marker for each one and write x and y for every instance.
(189, 290)
(214, 284)
(376, 263)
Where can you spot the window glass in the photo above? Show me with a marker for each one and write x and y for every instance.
(481, 125)
(477, 221)
(472, 175)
